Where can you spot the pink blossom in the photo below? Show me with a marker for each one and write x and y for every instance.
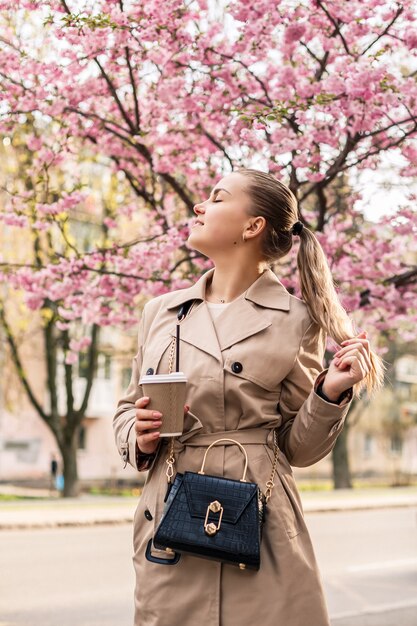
(71, 358)
(110, 181)
(294, 33)
(80, 345)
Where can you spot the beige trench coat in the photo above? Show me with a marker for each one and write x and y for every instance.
(269, 333)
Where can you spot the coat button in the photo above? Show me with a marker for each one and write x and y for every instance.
(148, 515)
(149, 371)
(237, 367)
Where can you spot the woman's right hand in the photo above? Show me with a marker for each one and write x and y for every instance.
(147, 425)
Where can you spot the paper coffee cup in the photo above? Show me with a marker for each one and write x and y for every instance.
(166, 394)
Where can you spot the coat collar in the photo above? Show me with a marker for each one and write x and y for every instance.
(267, 291)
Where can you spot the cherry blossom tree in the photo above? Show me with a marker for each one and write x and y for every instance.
(167, 97)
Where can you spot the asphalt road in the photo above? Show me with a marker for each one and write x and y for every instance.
(84, 576)
(368, 561)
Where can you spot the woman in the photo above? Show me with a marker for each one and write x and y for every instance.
(253, 355)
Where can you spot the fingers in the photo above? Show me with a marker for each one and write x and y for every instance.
(355, 355)
(358, 350)
(361, 338)
(146, 426)
(357, 368)
(362, 358)
(359, 343)
(142, 402)
(355, 360)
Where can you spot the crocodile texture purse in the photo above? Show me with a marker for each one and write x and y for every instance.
(214, 517)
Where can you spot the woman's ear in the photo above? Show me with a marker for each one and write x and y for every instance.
(255, 227)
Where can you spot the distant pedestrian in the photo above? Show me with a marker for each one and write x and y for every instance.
(54, 472)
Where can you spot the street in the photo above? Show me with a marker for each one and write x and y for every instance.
(83, 576)
(368, 561)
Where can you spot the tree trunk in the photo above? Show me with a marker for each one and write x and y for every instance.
(340, 457)
(69, 459)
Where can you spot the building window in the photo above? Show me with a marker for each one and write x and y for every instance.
(396, 444)
(126, 376)
(402, 391)
(82, 438)
(368, 445)
(413, 393)
(83, 365)
(104, 366)
(107, 366)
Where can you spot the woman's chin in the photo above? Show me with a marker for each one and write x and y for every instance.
(196, 244)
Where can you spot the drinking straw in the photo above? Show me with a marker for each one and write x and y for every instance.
(177, 350)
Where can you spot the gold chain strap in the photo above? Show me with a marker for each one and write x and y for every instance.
(270, 484)
(171, 356)
(171, 458)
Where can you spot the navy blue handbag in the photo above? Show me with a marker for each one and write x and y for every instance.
(214, 517)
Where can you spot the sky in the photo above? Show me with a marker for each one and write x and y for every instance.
(383, 190)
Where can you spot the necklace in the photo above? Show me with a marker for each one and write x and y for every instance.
(210, 292)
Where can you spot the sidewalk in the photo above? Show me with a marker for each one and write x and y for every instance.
(45, 511)
(358, 499)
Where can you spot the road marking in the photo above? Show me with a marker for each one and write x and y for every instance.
(371, 567)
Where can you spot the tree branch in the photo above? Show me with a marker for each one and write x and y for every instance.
(116, 98)
(336, 24)
(68, 376)
(217, 143)
(91, 371)
(384, 32)
(19, 366)
(133, 83)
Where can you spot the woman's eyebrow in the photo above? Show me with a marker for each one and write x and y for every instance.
(216, 191)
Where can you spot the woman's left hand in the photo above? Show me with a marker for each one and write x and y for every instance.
(349, 366)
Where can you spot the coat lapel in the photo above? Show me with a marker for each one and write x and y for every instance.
(198, 330)
(241, 319)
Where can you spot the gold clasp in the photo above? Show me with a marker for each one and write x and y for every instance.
(170, 461)
(269, 487)
(211, 528)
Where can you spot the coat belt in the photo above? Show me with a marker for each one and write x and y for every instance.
(245, 436)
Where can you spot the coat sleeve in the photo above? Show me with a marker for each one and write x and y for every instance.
(125, 416)
(310, 425)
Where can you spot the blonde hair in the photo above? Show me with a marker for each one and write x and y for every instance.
(275, 202)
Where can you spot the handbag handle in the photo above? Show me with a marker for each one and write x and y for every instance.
(243, 479)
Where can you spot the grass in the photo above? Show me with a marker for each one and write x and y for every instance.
(357, 484)
(132, 492)
(12, 498)
(302, 485)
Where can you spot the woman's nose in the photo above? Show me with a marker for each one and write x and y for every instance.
(198, 209)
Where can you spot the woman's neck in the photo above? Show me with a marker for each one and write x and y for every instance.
(228, 283)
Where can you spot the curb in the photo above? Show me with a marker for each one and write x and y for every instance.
(357, 506)
(113, 518)
(64, 524)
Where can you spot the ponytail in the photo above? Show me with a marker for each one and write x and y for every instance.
(319, 294)
(277, 204)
